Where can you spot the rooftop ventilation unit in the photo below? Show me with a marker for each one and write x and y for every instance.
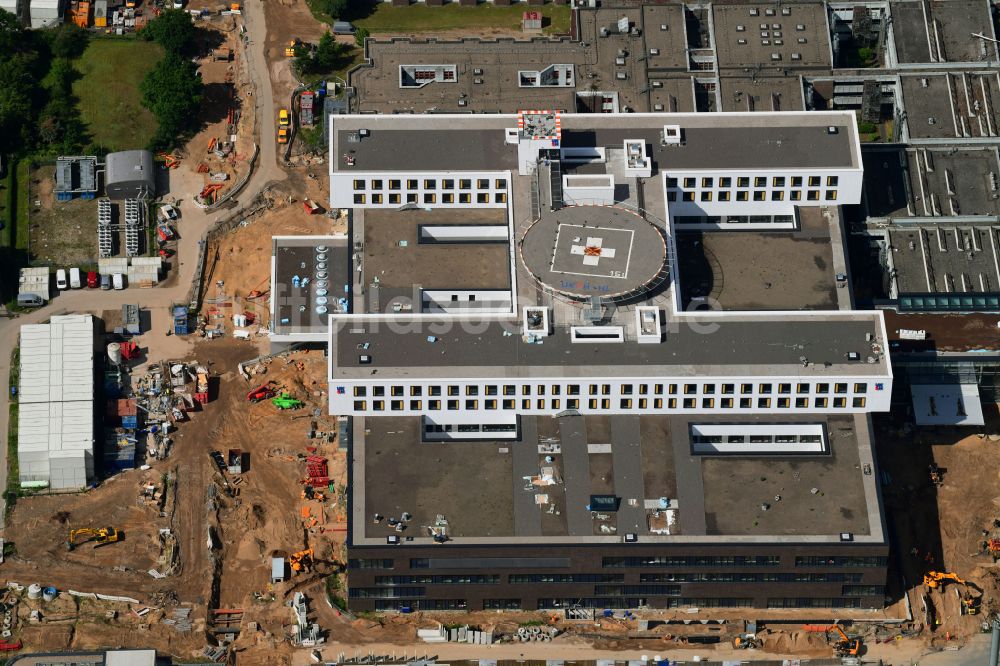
(671, 135)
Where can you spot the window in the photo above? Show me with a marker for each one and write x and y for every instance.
(501, 183)
(592, 404)
(690, 389)
(764, 403)
(706, 182)
(411, 197)
(802, 388)
(433, 390)
(743, 181)
(605, 403)
(839, 403)
(801, 403)
(861, 387)
(658, 389)
(821, 403)
(573, 389)
(464, 198)
(672, 403)
(778, 181)
(812, 195)
(359, 184)
(360, 405)
(465, 184)
(796, 181)
(508, 404)
(795, 195)
(685, 196)
(394, 184)
(840, 387)
(777, 195)
(689, 403)
(472, 404)
(416, 405)
(708, 389)
(643, 403)
(482, 197)
(708, 403)
(784, 403)
(764, 388)
(725, 181)
(832, 181)
(672, 390)
(394, 198)
(471, 390)
(359, 198)
(746, 389)
(500, 197)
(376, 184)
(573, 403)
(746, 403)
(430, 184)
(378, 391)
(784, 388)
(411, 183)
(540, 389)
(727, 403)
(482, 184)
(626, 389)
(376, 198)
(706, 195)
(831, 195)
(643, 389)
(625, 403)
(657, 403)
(434, 405)
(671, 182)
(490, 403)
(526, 403)
(822, 388)
(671, 195)
(360, 391)
(760, 181)
(378, 405)
(759, 195)
(448, 183)
(813, 181)
(858, 402)
(491, 389)
(430, 197)
(742, 195)
(689, 182)
(396, 391)
(453, 405)
(605, 389)
(724, 195)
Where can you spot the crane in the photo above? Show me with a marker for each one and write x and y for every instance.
(101, 536)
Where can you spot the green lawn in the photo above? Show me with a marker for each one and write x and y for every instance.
(23, 205)
(108, 89)
(421, 18)
(8, 193)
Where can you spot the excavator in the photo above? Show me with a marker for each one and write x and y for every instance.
(970, 602)
(746, 642)
(301, 561)
(846, 646)
(101, 536)
(935, 579)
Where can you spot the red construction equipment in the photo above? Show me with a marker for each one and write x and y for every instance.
(129, 350)
(164, 233)
(212, 142)
(208, 192)
(7, 646)
(262, 392)
(311, 207)
(202, 168)
(317, 471)
(169, 160)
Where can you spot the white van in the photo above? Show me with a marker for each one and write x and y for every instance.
(61, 279)
(74, 278)
(118, 280)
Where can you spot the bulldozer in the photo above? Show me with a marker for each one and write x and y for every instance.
(285, 401)
(845, 646)
(101, 536)
(301, 561)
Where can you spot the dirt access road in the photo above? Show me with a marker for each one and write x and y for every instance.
(194, 227)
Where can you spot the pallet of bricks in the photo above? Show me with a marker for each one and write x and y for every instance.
(105, 237)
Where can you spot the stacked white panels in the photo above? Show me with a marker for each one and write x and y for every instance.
(105, 243)
(112, 265)
(145, 271)
(55, 438)
(133, 217)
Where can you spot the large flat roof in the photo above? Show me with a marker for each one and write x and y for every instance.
(700, 346)
(711, 141)
(537, 487)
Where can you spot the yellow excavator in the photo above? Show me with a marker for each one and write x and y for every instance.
(846, 646)
(970, 602)
(101, 536)
(301, 561)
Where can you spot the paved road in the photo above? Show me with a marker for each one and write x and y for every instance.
(194, 225)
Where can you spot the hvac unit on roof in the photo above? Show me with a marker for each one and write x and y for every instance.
(663, 27)
(786, 11)
(769, 12)
(754, 11)
(671, 135)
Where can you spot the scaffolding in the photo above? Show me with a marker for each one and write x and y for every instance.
(105, 239)
(133, 227)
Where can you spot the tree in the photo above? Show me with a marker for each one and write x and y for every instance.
(10, 32)
(68, 40)
(16, 85)
(334, 8)
(173, 30)
(173, 92)
(360, 35)
(324, 59)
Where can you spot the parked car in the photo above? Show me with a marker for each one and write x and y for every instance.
(105, 281)
(30, 300)
(118, 280)
(92, 280)
(61, 282)
(343, 28)
(284, 120)
(74, 278)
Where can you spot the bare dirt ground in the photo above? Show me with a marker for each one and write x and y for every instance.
(63, 233)
(945, 332)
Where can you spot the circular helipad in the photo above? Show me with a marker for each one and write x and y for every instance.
(585, 251)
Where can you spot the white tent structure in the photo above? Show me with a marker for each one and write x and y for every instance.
(45, 13)
(55, 431)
